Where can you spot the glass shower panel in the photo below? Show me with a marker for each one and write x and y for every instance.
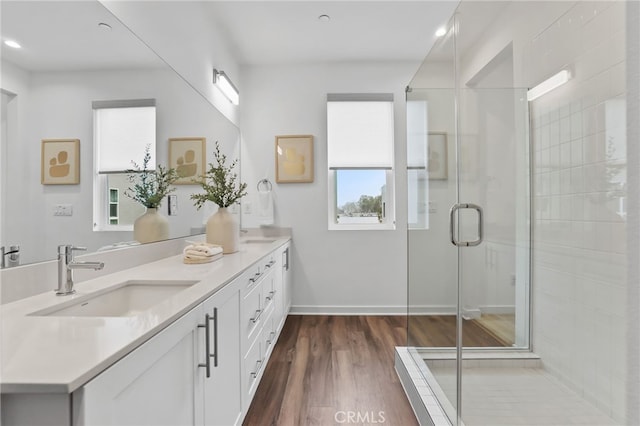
(432, 259)
(494, 174)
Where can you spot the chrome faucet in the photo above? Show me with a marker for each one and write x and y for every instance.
(66, 265)
(13, 254)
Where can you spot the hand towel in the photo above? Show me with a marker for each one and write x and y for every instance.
(265, 208)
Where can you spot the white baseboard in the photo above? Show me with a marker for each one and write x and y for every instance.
(348, 310)
(394, 310)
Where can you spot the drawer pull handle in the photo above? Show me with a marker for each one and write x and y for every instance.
(270, 339)
(257, 316)
(215, 337)
(255, 277)
(270, 296)
(270, 264)
(254, 374)
(207, 345)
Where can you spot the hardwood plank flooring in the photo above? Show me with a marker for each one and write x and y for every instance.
(440, 331)
(501, 326)
(325, 368)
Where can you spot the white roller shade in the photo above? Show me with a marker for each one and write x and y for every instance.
(360, 132)
(122, 135)
(417, 134)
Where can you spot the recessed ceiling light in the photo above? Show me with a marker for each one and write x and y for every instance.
(324, 18)
(441, 31)
(12, 43)
(104, 26)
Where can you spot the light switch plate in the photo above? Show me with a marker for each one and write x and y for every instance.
(173, 205)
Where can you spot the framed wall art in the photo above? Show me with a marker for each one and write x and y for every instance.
(294, 159)
(60, 162)
(187, 156)
(437, 156)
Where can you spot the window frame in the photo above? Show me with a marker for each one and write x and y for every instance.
(389, 199)
(101, 186)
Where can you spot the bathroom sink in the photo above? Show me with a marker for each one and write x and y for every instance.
(127, 299)
(260, 241)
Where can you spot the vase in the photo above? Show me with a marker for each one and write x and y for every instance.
(224, 230)
(150, 227)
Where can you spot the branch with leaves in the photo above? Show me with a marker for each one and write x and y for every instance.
(219, 183)
(149, 187)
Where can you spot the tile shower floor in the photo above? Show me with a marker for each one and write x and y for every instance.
(497, 392)
(518, 396)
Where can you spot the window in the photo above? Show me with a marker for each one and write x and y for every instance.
(122, 130)
(360, 160)
(417, 174)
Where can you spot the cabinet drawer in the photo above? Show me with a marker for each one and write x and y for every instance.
(268, 262)
(252, 370)
(269, 290)
(268, 332)
(252, 311)
(250, 278)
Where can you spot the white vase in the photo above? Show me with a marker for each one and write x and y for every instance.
(150, 227)
(223, 229)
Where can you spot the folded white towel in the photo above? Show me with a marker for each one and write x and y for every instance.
(202, 250)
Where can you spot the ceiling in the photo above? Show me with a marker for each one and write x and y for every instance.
(64, 35)
(289, 32)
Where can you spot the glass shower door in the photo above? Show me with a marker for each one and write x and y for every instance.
(491, 228)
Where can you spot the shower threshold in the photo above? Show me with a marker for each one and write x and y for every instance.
(498, 388)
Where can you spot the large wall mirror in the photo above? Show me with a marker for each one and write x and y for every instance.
(73, 54)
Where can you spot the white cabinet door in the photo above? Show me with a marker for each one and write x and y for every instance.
(222, 393)
(153, 385)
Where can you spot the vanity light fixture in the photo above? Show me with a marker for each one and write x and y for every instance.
(12, 43)
(441, 31)
(549, 84)
(222, 82)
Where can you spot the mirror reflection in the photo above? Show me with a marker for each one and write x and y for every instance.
(72, 55)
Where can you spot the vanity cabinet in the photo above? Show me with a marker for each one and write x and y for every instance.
(221, 391)
(154, 385)
(204, 368)
(188, 374)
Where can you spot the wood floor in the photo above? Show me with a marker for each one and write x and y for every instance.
(326, 368)
(440, 331)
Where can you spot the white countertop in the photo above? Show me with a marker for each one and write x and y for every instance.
(52, 354)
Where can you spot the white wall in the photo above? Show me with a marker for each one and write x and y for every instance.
(58, 105)
(334, 271)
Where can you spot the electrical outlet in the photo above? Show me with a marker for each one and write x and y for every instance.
(63, 210)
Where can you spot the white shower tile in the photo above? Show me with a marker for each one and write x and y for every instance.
(553, 133)
(576, 125)
(565, 155)
(565, 182)
(565, 128)
(577, 180)
(576, 152)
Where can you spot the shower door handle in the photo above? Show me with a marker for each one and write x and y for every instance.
(452, 224)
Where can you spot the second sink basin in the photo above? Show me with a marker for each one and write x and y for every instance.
(259, 241)
(129, 298)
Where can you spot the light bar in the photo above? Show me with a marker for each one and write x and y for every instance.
(222, 82)
(548, 85)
